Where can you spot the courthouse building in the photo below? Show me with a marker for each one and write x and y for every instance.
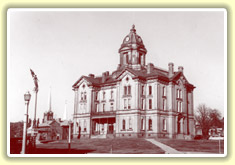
(135, 100)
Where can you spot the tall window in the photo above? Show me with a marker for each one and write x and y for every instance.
(129, 90)
(125, 90)
(164, 124)
(103, 95)
(142, 124)
(142, 103)
(179, 106)
(84, 95)
(111, 93)
(150, 103)
(84, 125)
(81, 95)
(125, 103)
(150, 124)
(164, 91)
(96, 108)
(130, 123)
(142, 89)
(96, 96)
(150, 90)
(103, 107)
(111, 106)
(123, 124)
(164, 104)
(129, 103)
(179, 93)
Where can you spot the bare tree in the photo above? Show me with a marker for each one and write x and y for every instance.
(203, 118)
(208, 118)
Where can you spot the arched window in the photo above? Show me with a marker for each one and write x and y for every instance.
(150, 124)
(123, 124)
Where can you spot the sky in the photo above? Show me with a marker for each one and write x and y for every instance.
(61, 46)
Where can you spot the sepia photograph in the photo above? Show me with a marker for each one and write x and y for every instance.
(117, 82)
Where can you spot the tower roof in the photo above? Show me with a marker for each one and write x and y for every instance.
(132, 41)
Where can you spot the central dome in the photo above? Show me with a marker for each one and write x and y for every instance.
(132, 41)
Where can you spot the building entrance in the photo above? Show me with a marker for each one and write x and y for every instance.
(103, 126)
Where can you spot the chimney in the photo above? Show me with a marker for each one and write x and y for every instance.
(107, 73)
(103, 77)
(180, 69)
(171, 69)
(150, 68)
(91, 75)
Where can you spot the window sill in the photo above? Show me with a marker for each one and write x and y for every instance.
(126, 96)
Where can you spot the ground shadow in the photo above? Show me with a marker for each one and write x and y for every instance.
(59, 151)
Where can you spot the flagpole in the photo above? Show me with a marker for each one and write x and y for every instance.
(35, 110)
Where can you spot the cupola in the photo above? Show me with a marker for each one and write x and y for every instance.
(132, 51)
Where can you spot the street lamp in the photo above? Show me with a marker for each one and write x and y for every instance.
(27, 97)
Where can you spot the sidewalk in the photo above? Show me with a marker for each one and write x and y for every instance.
(167, 149)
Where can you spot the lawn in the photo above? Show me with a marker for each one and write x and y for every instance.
(107, 146)
(210, 146)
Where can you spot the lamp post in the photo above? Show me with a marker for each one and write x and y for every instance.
(27, 97)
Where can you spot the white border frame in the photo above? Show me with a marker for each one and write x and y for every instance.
(121, 10)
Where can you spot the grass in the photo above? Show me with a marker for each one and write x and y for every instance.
(210, 146)
(115, 146)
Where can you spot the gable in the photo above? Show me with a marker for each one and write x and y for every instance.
(125, 73)
(81, 81)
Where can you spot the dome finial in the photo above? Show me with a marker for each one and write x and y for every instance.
(133, 28)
